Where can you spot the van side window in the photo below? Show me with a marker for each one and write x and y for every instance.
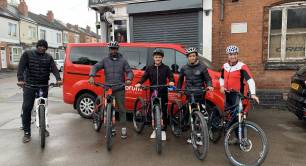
(136, 56)
(87, 55)
(181, 60)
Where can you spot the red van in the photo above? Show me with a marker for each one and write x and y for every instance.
(80, 57)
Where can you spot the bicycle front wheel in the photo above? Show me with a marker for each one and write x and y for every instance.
(199, 136)
(158, 129)
(139, 115)
(42, 126)
(109, 126)
(253, 147)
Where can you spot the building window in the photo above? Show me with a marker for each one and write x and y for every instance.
(287, 33)
(32, 32)
(65, 37)
(15, 55)
(42, 34)
(76, 38)
(59, 37)
(120, 30)
(12, 31)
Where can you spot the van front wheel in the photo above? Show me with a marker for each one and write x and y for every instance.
(86, 105)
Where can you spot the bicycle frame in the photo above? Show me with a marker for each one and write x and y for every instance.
(155, 100)
(40, 101)
(238, 111)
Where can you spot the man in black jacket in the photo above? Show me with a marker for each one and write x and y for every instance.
(158, 73)
(34, 69)
(115, 67)
(195, 74)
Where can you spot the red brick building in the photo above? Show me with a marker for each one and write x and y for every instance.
(264, 47)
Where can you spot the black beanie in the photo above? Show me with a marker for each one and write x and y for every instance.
(43, 43)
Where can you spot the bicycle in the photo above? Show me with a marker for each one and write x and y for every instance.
(104, 112)
(232, 122)
(191, 115)
(150, 111)
(41, 110)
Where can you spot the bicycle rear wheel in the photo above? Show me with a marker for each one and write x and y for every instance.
(109, 126)
(158, 129)
(253, 148)
(42, 126)
(199, 137)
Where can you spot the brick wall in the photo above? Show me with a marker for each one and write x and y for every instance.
(253, 44)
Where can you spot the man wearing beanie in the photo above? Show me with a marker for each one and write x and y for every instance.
(34, 69)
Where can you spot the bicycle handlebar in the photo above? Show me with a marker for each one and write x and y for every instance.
(192, 90)
(108, 85)
(42, 86)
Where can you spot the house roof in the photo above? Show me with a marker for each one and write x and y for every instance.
(7, 14)
(43, 21)
(14, 11)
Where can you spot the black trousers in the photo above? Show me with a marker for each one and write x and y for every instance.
(29, 95)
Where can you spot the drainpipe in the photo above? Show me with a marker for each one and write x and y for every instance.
(222, 10)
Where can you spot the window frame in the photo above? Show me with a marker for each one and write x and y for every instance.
(12, 29)
(284, 9)
(19, 52)
(59, 37)
(45, 34)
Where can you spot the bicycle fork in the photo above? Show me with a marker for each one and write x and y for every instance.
(37, 104)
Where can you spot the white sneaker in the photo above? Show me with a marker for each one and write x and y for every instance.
(164, 136)
(153, 135)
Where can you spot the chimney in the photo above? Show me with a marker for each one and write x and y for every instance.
(23, 8)
(50, 16)
(69, 26)
(87, 28)
(3, 3)
(76, 27)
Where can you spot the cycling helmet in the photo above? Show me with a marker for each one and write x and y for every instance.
(191, 50)
(113, 44)
(159, 52)
(232, 49)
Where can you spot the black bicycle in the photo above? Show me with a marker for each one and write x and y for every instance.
(104, 112)
(190, 115)
(245, 143)
(149, 111)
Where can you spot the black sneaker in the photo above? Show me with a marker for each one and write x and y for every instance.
(113, 132)
(26, 137)
(123, 133)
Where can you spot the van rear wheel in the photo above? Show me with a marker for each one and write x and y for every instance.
(86, 105)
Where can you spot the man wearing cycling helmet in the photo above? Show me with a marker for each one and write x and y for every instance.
(158, 73)
(195, 74)
(115, 67)
(233, 75)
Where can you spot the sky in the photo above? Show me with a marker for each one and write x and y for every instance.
(67, 11)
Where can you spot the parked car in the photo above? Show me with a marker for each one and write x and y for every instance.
(81, 56)
(59, 64)
(297, 96)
